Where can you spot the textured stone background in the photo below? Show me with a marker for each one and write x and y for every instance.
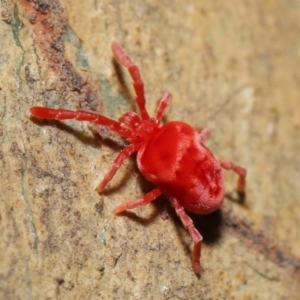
(232, 66)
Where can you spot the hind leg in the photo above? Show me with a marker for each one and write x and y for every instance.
(194, 233)
(241, 184)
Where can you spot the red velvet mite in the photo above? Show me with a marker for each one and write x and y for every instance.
(171, 155)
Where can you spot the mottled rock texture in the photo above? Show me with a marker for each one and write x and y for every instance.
(232, 66)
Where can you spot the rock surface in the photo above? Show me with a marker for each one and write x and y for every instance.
(233, 67)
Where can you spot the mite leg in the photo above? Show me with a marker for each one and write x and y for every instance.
(203, 133)
(163, 103)
(124, 154)
(139, 202)
(80, 115)
(241, 184)
(194, 233)
(134, 72)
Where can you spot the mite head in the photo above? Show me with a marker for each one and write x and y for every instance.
(142, 130)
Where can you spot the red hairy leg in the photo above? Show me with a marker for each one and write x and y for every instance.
(64, 114)
(227, 165)
(194, 233)
(204, 133)
(134, 72)
(124, 154)
(130, 118)
(139, 202)
(163, 103)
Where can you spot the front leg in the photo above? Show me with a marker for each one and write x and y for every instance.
(134, 72)
(194, 233)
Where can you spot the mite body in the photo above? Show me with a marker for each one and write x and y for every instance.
(176, 160)
(172, 156)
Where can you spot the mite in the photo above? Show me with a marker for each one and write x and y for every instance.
(172, 156)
